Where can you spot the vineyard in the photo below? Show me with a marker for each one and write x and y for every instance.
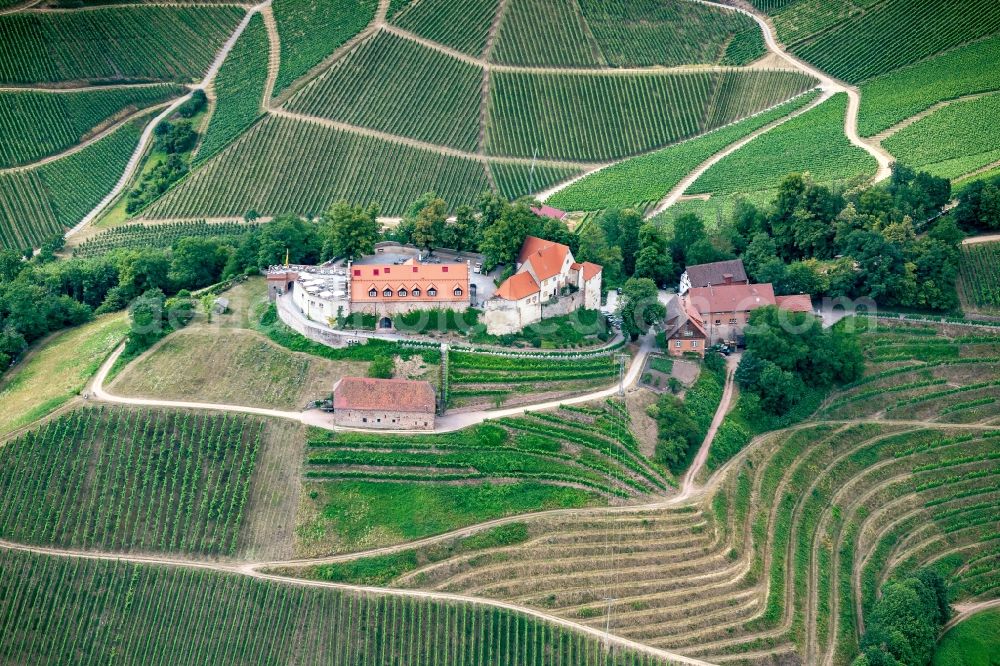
(39, 202)
(608, 116)
(147, 236)
(130, 480)
(593, 452)
(648, 178)
(893, 34)
(463, 26)
(895, 97)
(545, 32)
(150, 615)
(310, 31)
(114, 43)
(979, 271)
(475, 378)
(239, 89)
(813, 142)
(384, 84)
(517, 180)
(636, 33)
(289, 166)
(783, 560)
(68, 118)
(952, 141)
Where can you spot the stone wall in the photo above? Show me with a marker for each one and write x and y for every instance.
(504, 317)
(563, 306)
(383, 419)
(314, 333)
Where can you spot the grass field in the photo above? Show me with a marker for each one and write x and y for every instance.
(39, 202)
(979, 272)
(888, 35)
(114, 43)
(384, 84)
(151, 615)
(608, 116)
(813, 142)
(648, 178)
(237, 368)
(311, 30)
(955, 140)
(68, 118)
(463, 26)
(57, 370)
(239, 89)
(131, 480)
(892, 98)
(972, 642)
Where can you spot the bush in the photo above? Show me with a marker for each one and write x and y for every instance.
(193, 106)
(382, 367)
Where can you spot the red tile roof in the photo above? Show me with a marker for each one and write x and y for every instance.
(444, 277)
(548, 211)
(397, 395)
(517, 286)
(590, 271)
(795, 303)
(545, 257)
(731, 298)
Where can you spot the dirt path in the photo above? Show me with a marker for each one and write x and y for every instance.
(274, 56)
(20, 7)
(144, 140)
(900, 126)
(976, 240)
(111, 129)
(965, 611)
(85, 88)
(688, 484)
(972, 174)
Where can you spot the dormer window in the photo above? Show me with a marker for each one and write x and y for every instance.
(432, 292)
(402, 293)
(458, 291)
(416, 292)
(387, 292)
(373, 292)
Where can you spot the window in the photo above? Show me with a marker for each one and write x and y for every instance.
(432, 292)
(718, 321)
(372, 293)
(357, 273)
(458, 291)
(364, 419)
(444, 269)
(402, 293)
(387, 269)
(416, 292)
(694, 344)
(732, 322)
(378, 420)
(677, 344)
(387, 292)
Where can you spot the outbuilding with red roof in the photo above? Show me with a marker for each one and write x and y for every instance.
(383, 404)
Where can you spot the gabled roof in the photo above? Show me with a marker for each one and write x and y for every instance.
(680, 313)
(546, 258)
(590, 271)
(731, 298)
(703, 275)
(517, 286)
(397, 395)
(795, 303)
(548, 211)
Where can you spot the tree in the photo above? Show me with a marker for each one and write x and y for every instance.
(291, 234)
(640, 306)
(621, 229)
(146, 319)
(465, 230)
(677, 432)
(349, 231)
(143, 270)
(198, 262)
(381, 367)
(503, 238)
(688, 230)
(428, 227)
(654, 261)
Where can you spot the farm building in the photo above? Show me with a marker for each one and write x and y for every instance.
(707, 275)
(383, 404)
(684, 329)
(383, 290)
(725, 309)
(549, 282)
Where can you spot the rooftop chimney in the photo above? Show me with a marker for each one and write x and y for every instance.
(727, 278)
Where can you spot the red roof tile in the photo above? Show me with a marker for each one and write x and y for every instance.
(517, 286)
(398, 395)
(731, 298)
(795, 303)
(444, 277)
(545, 257)
(548, 211)
(590, 271)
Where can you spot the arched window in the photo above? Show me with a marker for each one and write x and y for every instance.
(416, 292)
(387, 292)
(402, 293)
(432, 292)
(458, 291)
(373, 292)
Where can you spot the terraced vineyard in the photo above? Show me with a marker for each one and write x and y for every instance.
(38, 202)
(979, 272)
(139, 236)
(114, 43)
(68, 118)
(310, 31)
(239, 89)
(589, 450)
(952, 141)
(648, 178)
(145, 614)
(608, 116)
(782, 557)
(813, 142)
(130, 480)
(384, 84)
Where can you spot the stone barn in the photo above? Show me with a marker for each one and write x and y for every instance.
(383, 404)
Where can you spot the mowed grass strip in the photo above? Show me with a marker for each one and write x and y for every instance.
(56, 370)
(114, 43)
(67, 118)
(386, 83)
(232, 367)
(601, 117)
